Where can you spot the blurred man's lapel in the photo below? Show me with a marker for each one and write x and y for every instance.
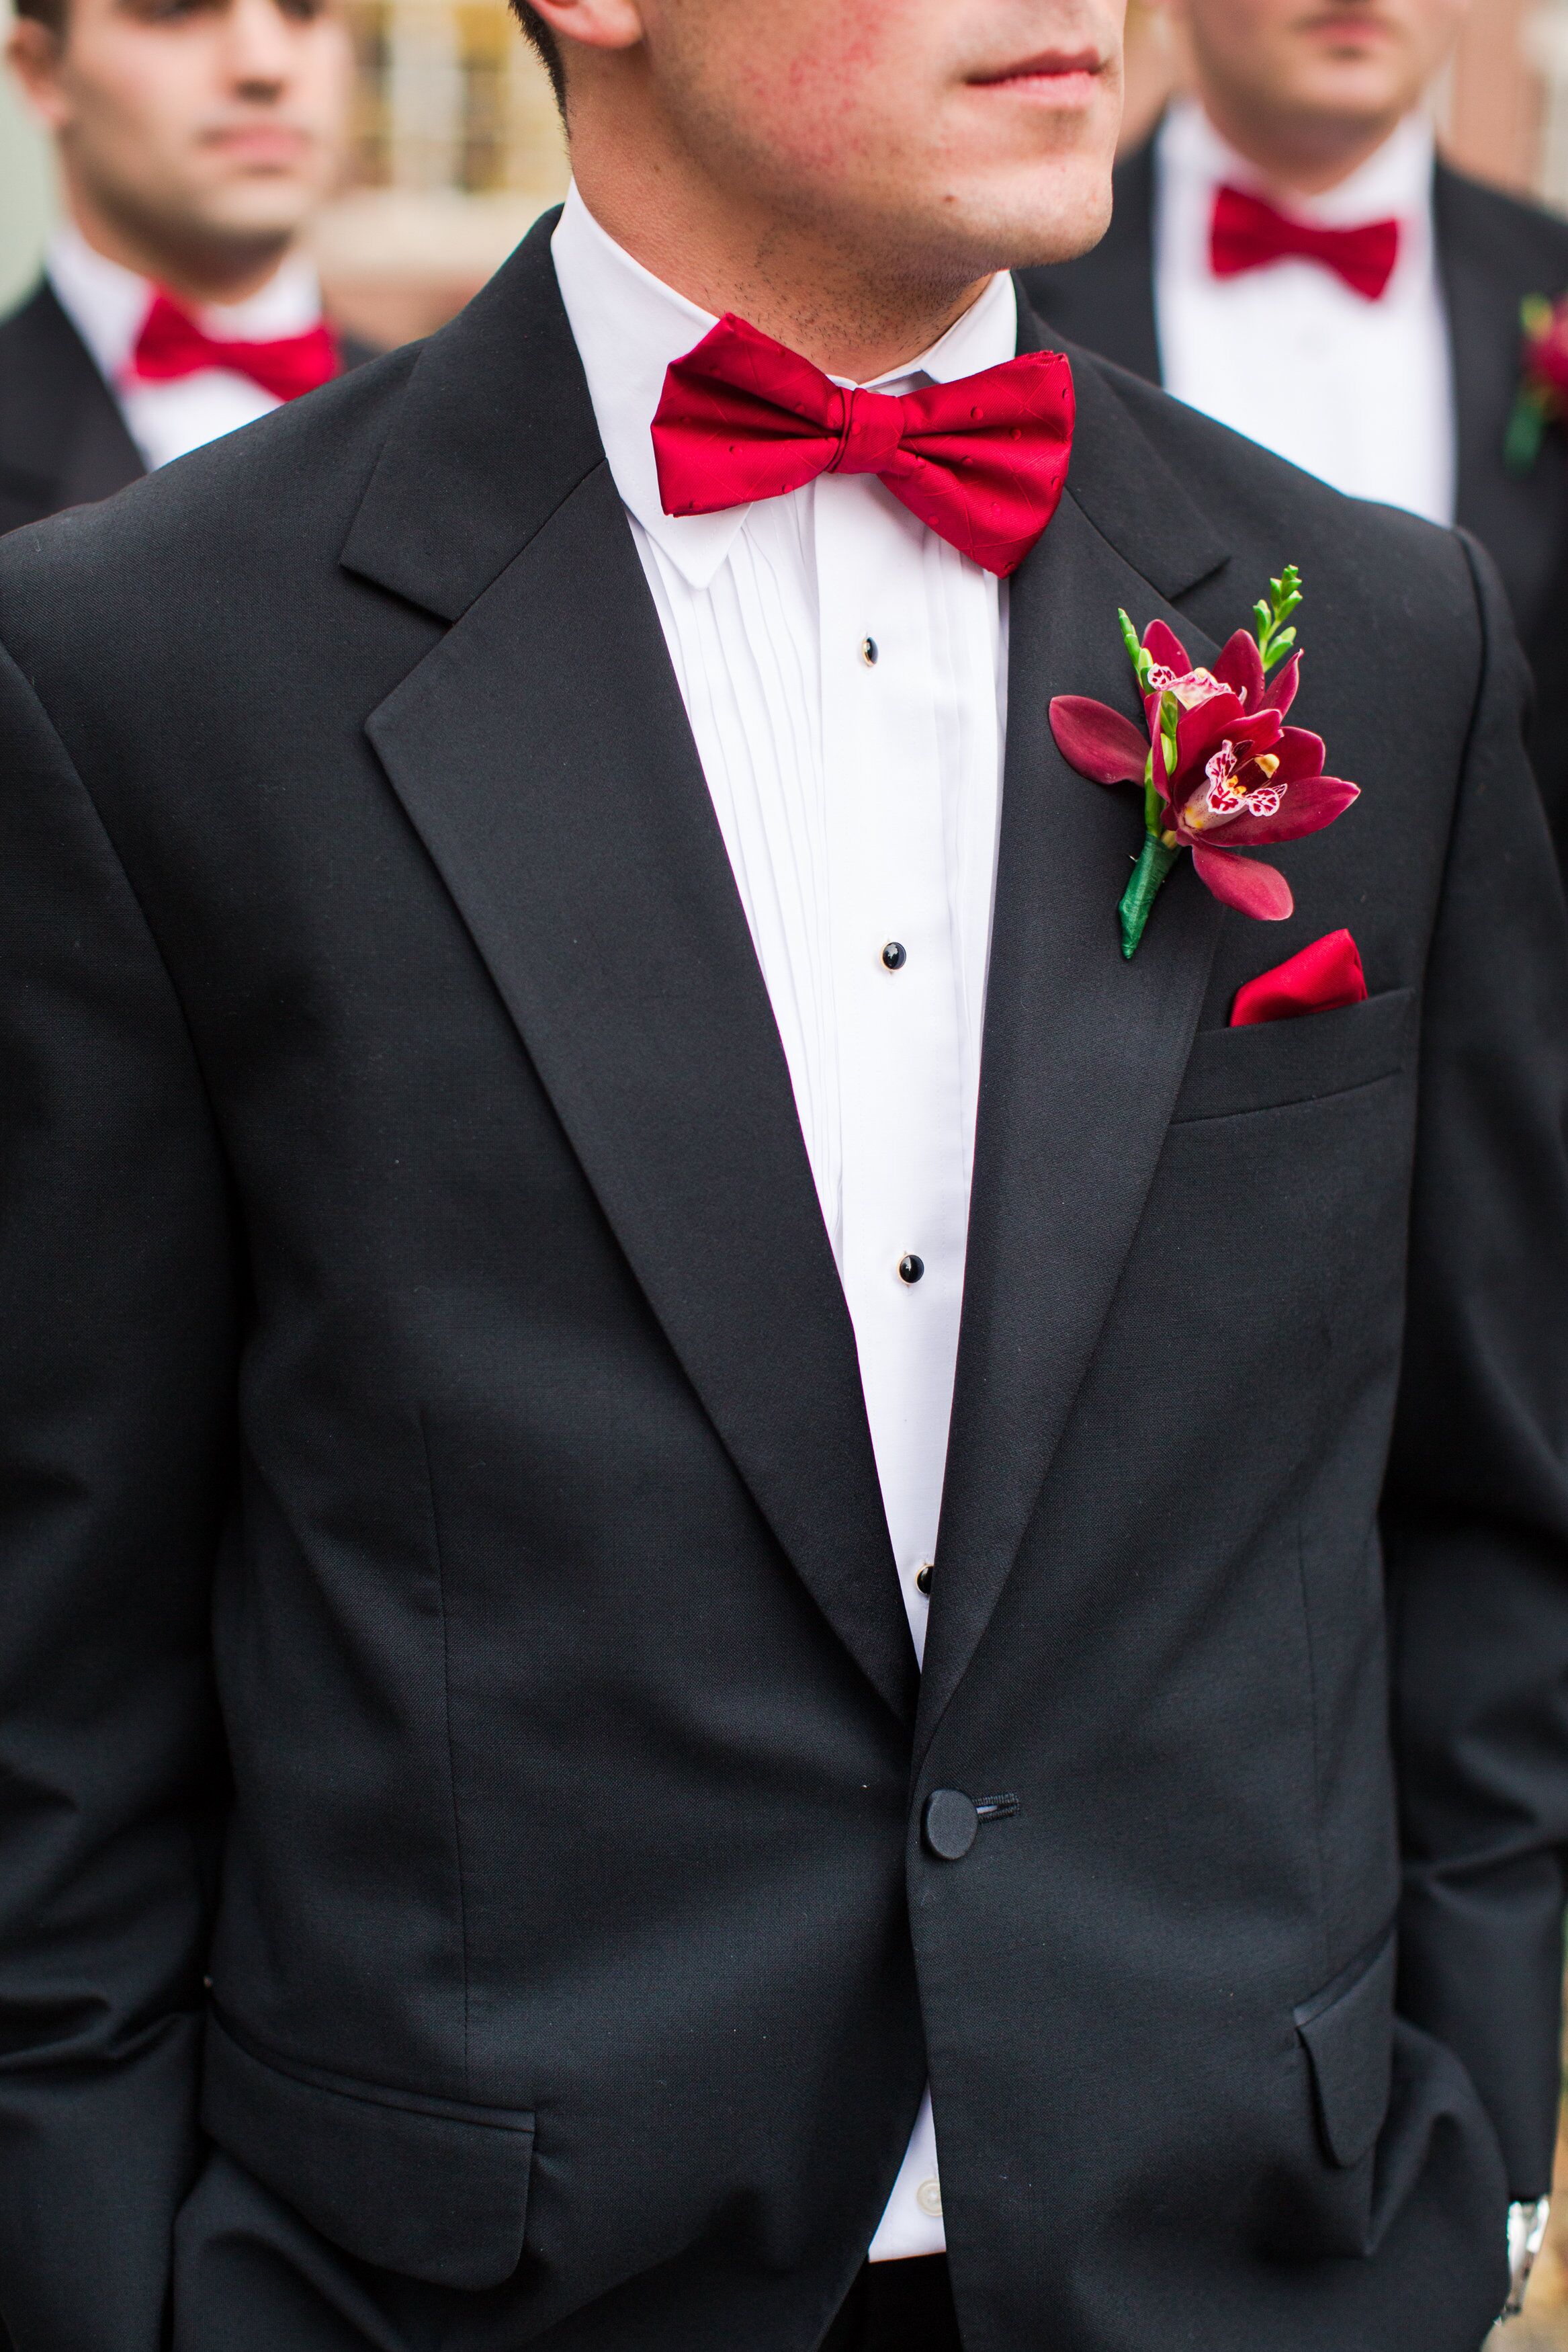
(62, 438)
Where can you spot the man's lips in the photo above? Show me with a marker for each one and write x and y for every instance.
(1058, 75)
(271, 143)
(1341, 25)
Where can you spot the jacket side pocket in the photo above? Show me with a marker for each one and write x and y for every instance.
(432, 2188)
(1348, 2033)
(1322, 2200)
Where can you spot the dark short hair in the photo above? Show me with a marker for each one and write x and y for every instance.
(49, 13)
(537, 33)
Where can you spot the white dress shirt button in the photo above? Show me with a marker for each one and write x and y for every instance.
(868, 652)
(928, 2197)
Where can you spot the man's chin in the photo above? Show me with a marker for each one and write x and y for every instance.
(252, 215)
(1350, 99)
(1040, 227)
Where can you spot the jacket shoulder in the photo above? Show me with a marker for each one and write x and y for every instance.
(27, 324)
(40, 353)
(1521, 242)
(254, 505)
(50, 394)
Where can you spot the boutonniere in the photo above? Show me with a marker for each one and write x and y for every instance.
(1221, 772)
(1542, 395)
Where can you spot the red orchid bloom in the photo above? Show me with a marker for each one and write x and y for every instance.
(1542, 398)
(1222, 771)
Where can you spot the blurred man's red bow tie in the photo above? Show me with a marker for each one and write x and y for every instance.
(981, 460)
(1248, 234)
(172, 344)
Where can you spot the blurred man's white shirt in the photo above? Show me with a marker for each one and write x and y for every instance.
(1360, 393)
(107, 305)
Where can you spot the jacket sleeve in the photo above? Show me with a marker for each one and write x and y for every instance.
(1476, 1507)
(117, 1315)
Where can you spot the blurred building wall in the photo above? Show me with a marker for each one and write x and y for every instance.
(1493, 101)
(27, 188)
(457, 149)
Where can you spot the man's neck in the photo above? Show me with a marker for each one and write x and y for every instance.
(199, 276)
(855, 318)
(1297, 157)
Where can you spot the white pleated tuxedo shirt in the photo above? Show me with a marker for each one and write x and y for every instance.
(1360, 393)
(107, 306)
(844, 671)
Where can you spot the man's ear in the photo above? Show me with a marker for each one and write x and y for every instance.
(595, 23)
(33, 52)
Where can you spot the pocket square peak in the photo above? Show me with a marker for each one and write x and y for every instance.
(1317, 979)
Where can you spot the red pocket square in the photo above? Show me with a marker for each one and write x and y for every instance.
(1318, 980)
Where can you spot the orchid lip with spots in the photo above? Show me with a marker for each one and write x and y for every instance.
(1221, 772)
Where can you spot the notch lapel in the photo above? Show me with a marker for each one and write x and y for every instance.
(542, 752)
(1083, 1051)
(1508, 514)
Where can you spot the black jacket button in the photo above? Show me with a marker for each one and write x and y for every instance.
(951, 1823)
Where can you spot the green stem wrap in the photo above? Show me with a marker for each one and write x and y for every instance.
(1154, 862)
(1526, 431)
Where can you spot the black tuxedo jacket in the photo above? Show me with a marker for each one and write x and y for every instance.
(1493, 251)
(462, 1764)
(63, 440)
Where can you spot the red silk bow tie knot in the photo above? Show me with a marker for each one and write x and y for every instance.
(1248, 234)
(981, 461)
(870, 433)
(171, 345)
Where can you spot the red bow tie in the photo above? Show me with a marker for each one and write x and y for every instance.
(1248, 234)
(172, 344)
(982, 461)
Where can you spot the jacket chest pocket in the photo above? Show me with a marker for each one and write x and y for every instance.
(1307, 1060)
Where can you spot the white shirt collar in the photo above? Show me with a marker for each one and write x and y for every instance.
(1395, 181)
(629, 325)
(106, 303)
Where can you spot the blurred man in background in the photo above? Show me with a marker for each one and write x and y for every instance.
(195, 139)
(1288, 255)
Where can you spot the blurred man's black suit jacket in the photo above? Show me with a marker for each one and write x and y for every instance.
(63, 440)
(461, 1763)
(1492, 252)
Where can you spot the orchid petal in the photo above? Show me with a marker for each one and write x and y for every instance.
(1240, 667)
(1301, 755)
(1165, 648)
(1282, 692)
(1260, 891)
(1097, 741)
(1306, 808)
(1202, 732)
